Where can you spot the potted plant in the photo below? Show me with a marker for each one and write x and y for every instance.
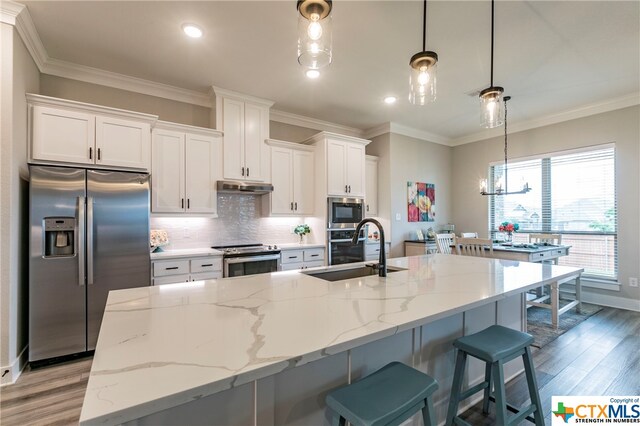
(302, 230)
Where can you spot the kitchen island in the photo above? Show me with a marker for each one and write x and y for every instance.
(265, 349)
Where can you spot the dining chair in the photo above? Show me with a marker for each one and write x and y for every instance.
(469, 234)
(444, 242)
(474, 247)
(555, 239)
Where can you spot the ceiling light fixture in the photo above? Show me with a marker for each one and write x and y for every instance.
(192, 30)
(314, 33)
(499, 188)
(390, 100)
(423, 70)
(313, 74)
(491, 97)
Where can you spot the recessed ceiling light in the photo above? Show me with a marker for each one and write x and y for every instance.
(192, 30)
(313, 73)
(390, 100)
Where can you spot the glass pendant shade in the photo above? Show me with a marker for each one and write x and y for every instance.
(314, 33)
(422, 82)
(491, 114)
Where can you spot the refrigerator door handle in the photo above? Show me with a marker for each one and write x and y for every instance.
(89, 240)
(81, 240)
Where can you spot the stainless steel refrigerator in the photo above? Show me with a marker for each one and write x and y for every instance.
(89, 234)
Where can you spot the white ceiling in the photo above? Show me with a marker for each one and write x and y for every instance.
(551, 56)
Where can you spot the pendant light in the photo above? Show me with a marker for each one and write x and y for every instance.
(423, 70)
(499, 189)
(314, 33)
(491, 97)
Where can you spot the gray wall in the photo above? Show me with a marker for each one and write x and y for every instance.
(415, 160)
(167, 110)
(471, 162)
(19, 75)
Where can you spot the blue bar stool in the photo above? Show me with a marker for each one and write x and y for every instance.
(495, 345)
(387, 397)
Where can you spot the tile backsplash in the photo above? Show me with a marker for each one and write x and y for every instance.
(240, 221)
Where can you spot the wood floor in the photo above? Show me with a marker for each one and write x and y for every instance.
(600, 356)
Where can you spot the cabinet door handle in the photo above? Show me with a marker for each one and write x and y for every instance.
(173, 267)
(292, 206)
(206, 264)
(188, 203)
(99, 154)
(293, 257)
(296, 206)
(182, 203)
(315, 255)
(346, 188)
(247, 172)
(90, 153)
(349, 189)
(367, 207)
(243, 171)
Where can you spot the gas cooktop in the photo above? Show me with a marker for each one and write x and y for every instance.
(247, 249)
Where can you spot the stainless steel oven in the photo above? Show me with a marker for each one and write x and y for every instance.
(341, 250)
(344, 213)
(250, 259)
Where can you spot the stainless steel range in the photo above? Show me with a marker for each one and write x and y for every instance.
(249, 259)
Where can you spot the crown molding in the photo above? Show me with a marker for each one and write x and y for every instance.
(399, 129)
(9, 11)
(573, 114)
(225, 93)
(313, 123)
(377, 131)
(124, 82)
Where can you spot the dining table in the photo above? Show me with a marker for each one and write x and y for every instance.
(540, 253)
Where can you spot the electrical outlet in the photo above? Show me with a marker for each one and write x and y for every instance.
(398, 217)
(633, 282)
(292, 229)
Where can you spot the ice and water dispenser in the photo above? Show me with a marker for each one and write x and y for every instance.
(59, 236)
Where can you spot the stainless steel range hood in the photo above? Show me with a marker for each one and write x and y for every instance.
(235, 187)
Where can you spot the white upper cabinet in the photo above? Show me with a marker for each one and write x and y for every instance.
(167, 172)
(343, 161)
(185, 168)
(123, 143)
(371, 192)
(59, 135)
(72, 132)
(245, 123)
(292, 176)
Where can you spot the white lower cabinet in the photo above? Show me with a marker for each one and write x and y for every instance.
(372, 251)
(302, 258)
(182, 270)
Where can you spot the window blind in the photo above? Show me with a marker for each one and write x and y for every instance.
(573, 194)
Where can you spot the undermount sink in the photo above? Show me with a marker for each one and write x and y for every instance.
(345, 274)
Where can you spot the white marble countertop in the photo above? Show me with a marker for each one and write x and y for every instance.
(163, 346)
(174, 254)
(297, 246)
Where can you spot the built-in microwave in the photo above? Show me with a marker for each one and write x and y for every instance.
(344, 212)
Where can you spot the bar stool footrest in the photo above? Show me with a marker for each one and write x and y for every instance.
(527, 411)
(472, 391)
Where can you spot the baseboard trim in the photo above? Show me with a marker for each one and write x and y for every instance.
(10, 373)
(611, 301)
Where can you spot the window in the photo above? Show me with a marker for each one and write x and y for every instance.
(574, 195)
